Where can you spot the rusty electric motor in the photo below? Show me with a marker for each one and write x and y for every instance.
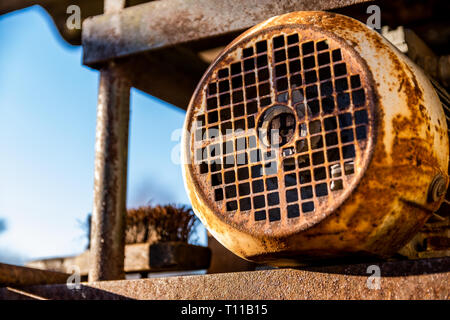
(311, 136)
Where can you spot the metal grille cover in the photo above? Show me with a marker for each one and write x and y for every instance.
(314, 89)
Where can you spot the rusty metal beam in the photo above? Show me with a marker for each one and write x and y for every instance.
(110, 177)
(11, 275)
(165, 23)
(417, 279)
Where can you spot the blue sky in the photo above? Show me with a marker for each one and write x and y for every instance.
(47, 133)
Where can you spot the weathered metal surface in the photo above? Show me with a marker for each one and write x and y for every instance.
(164, 23)
(22, 276)
(110, 176)
(384, 204)
(419, 279)
(139, 257)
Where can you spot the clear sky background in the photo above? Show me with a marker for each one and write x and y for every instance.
(47, 133)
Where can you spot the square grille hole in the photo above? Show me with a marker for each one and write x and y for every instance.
(315, 127)
(272, 183)
(236, 82)
(227, 147)
(283, 97)
(336, 185)
(359, 97)
(308, 206)
(259, 202)
(318, 158)
(355, 81)
(343, 101)
(316, 142)
(228, 162)
(232, 206)
(225, 114)
(203, 168)
(291, 195)
(226, 128)
(361, 133)
(265, 102)
(214, 150)
(340, 70)
(304, 176)
(293, 211)
(314, 107)
(294, 66)
(328, 105)
(348, 152)
(239, 124)
(218, 194)
(242, 159)
(306, 192)
(297, 96)
(261, 61)
(230, 191)
(224, 86)
(264, 89)
(349, 168)
(289, 164)
(326, 88)
(303, 161)
(215, 167)
(280, 55)
(320, 174)
(311, 92)
(330, 123)
(241, 144)
(335, 170)
(223, 73)
(341, 84)
(212, 88)
(260, 215)
(238, 110)
(290, 180)
(273, 199)
(280, 70)
(199, 134)
(345, 120)
(257, 186)
(249, 79)
(361, 117)
(333, 155)
(252, 142)
(252, 107)
(337, 56)
(278, 42)
(244, 189)
(321, 190)
(293, 38)
(323, 58)
(236, 68)
(216, 179)
(251, 92)
(301, 146)
(309, 62)
(257, 171)
(324, 74)
(255, 156)
(261, 46)
(238, 96)
(270, 168)
(229, 176)
(322, 45)
(224, 99)
(243, 173)
(249, 64)
(282, 84)
(247, 52)
(213, 117)
(310, 76)
(308, 47)
(347, 135)
(293, 52)
(245, 204)
(296, 81)
(274, 214)
(211, 103)
(263, 74)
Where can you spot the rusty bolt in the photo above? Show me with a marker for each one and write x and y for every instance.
(437, 188)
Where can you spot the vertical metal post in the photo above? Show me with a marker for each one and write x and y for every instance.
(110, 181)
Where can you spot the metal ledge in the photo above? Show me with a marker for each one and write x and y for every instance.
(409, 279)
(165, 23)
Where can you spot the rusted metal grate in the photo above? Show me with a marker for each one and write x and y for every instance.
(313, 90)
